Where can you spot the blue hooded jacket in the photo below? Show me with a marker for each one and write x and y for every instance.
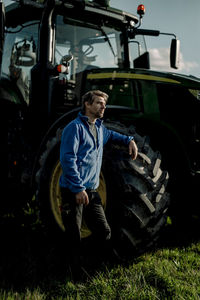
(81, 156)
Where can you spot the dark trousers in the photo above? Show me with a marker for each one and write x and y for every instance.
(95, 219)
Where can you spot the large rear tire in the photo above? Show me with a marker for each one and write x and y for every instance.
(136, 192)
(133, 192)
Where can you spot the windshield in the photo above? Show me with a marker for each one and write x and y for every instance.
(91, 46)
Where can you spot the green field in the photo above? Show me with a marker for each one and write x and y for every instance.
(32, 268)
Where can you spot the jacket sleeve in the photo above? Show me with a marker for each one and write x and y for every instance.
(116, 137)
(68, 158)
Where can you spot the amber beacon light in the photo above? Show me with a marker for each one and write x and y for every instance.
(141, 10)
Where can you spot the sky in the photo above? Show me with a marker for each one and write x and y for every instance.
(181, 17)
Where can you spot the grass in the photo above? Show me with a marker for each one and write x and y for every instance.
(32, 268)
(163, 274)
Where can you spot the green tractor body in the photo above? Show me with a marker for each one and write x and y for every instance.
(54, 52)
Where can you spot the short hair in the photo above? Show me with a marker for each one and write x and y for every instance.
(90, 97)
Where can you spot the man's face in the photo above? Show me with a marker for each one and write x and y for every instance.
(97, 108)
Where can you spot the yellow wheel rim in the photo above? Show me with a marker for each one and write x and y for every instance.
(56, 202)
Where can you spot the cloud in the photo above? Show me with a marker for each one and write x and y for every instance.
(160, 60)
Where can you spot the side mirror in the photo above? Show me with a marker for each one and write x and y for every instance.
(142, 61)
(175, 53)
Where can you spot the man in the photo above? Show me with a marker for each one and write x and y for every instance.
(81, 154)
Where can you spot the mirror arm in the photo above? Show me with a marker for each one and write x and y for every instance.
(165, 33)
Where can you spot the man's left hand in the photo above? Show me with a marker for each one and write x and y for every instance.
(133, 150)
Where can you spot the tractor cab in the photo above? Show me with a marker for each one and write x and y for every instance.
(93, 34)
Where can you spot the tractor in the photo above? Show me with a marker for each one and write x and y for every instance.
(54, 51)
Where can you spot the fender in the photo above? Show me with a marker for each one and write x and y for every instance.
(165, 139)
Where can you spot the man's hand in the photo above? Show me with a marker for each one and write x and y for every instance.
(133, 150)
(82, 198)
